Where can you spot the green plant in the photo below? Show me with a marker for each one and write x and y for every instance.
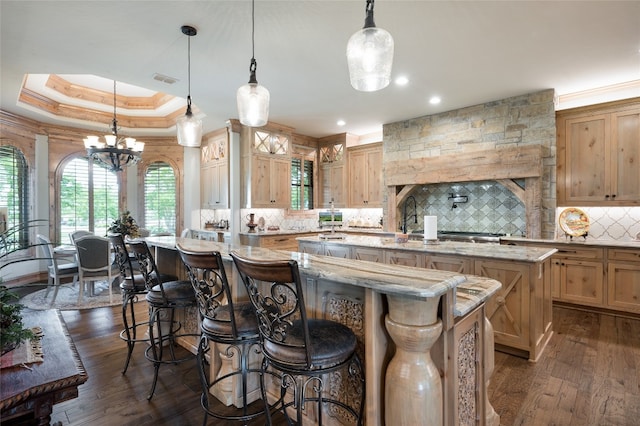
(12, 331)
(125, 225)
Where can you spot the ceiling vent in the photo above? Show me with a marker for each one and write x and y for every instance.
(164, 78)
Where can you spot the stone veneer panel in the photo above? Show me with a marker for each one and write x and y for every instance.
(522, 120)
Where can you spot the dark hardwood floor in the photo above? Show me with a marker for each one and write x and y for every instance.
(588, 375)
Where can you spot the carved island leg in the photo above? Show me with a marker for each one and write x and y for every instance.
(413, 388)
(492, 418)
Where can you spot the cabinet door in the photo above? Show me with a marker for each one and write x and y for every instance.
(358, 173)
(261, 182)
(625, 153)
(220, 187)
(370, 254)
(374, 178)
(337, 251)
(587, 158)
(448, 263)
(281, 183)
(623, 289)
(333, 177)
(206, 186)
(508, 310)
(310, 248)
(404, 258)
(582, 282)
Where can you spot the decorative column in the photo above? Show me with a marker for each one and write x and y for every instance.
(413, 388)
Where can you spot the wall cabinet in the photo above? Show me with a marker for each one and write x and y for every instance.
(599, 155)
(333, 170)
(214, 172)
(365, 176)
(270, 182)
(266, 160)
(215, 185)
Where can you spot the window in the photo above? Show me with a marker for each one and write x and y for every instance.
(14, 198)
(160, 198)
(301, 183)
(88, 197)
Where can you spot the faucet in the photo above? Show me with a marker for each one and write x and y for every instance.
(404, 213)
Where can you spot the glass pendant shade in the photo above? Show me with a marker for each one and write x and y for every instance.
(253, 105)
(189, 127)
(370, 57)
(189, 130)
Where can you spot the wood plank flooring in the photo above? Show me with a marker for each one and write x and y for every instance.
(588, 375)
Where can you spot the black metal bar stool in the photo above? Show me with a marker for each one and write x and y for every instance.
(308, 352)
(231, 324)
(131, 286)
(163, 297)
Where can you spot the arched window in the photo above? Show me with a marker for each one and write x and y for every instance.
(160, 198)
(14, 198)
(88, 197)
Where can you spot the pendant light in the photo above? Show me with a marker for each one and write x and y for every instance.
(116, 152)
(253, 99)
(370, 55)
(189, 126)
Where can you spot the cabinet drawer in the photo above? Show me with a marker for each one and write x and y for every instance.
(631, 255)
(579, 252)
(284, 242)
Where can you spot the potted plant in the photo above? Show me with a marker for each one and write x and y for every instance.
(12, 331)
(125, 225)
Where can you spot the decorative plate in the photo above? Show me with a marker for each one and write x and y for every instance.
(574, 222)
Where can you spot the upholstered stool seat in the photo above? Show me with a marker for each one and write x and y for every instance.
(178, 293)
(331, 344)
(246, 323)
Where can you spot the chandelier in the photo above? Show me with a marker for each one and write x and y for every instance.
(116, 152)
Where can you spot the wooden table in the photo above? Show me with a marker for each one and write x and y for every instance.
(32, 392)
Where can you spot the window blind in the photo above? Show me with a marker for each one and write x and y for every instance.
(160, 198)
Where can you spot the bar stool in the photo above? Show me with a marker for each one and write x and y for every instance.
(162, 297)
(307, 351)
(228, 323)
(132, 286)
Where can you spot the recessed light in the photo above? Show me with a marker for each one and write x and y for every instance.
(341, 123)
(402, 81)
(435, 100)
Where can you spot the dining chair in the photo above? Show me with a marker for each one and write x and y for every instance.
(318, 358)
(73, 236)
(186, 233)
(95, 263)
(56, 270)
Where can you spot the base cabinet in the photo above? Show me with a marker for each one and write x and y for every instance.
(580, 281)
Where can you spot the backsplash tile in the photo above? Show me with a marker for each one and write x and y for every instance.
(490, 207)
(608, 223)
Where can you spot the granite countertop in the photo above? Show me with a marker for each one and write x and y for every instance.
(373, 231)
(591, 242)
(490, 251)
(388, 279)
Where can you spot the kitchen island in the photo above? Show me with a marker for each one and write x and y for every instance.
(520, 312)
(421, 334)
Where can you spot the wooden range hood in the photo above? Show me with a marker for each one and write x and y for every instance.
(501, 165)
